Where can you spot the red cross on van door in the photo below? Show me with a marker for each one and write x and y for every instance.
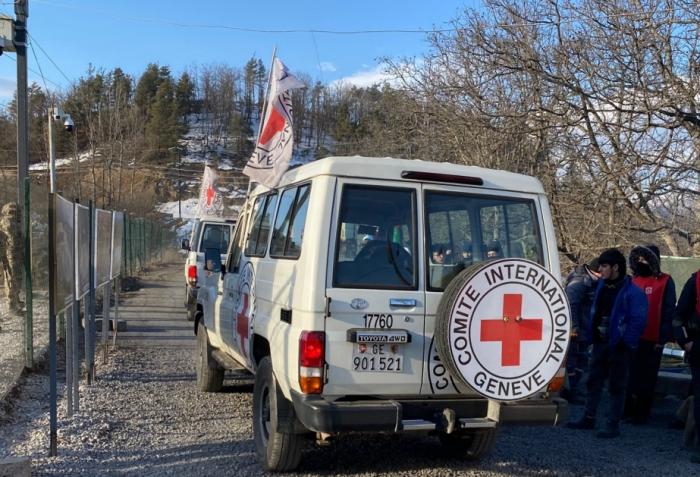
(511, 330)
(242, 324)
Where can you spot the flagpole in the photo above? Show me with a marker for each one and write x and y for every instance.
(264, 110)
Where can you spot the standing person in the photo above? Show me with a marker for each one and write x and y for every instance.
(686, 329)
(618, 319)
(12, 262)
(645, 264)
(581, 285)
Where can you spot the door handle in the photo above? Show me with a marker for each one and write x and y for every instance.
(404, 303)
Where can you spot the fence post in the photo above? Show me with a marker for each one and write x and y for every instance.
(90, 315)
(28, 289)
(131, 247)
(150, 243)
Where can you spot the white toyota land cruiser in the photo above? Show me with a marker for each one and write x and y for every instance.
(386, 295)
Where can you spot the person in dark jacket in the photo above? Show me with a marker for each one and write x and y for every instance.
(686, 329)
(580, 289)
(645, 264)
(617, 321)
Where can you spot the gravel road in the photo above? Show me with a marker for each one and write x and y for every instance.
(144, 417)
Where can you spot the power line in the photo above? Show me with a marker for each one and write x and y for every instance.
(47, 79)
(565, 21)
(31, 45)
(50, 59)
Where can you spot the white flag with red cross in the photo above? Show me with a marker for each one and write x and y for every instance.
(210, 201)
(273, 151)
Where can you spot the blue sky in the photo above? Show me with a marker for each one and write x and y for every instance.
(74, 38)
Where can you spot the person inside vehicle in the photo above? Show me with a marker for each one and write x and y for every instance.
(494, 250)
(367, 239)
(438, 256)
(467, 256)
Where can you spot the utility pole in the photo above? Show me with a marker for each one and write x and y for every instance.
(179, 184)
(22, 12)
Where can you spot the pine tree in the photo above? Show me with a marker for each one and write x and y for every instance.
(162, 128)
(184, 96)
(249, 77)
(147, 87)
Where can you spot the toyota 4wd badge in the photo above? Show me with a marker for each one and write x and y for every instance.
(507, 330)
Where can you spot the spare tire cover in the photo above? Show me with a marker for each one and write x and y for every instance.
(503, 328)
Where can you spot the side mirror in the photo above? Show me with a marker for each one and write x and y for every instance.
(212, 260)
(186, 245)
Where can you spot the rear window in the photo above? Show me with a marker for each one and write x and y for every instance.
(376, 243)
(215, 236)
(464, 229)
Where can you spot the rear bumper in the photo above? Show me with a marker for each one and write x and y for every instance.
(319, 415)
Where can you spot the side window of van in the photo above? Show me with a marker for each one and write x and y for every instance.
(260, 231)
(375, 242)
(290, 223)
(233, 262)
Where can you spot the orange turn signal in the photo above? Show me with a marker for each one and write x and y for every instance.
(556, 384)
(311, 385)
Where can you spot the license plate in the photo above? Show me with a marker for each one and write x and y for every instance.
(378, 357)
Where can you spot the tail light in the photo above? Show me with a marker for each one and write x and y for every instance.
(192, 275)
(311, 361)
(559, 378)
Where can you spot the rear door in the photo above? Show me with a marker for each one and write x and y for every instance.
(464, 226)
(375, 315)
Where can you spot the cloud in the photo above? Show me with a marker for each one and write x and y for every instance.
(327, 66)
(363, 79)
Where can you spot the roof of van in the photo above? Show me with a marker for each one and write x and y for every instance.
(389, 168)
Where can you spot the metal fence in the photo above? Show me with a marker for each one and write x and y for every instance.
(24, 334)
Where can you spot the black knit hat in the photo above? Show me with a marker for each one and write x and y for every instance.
(593, 265)
(613, 256)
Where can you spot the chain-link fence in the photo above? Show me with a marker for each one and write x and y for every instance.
(24, 289)
(145, 241)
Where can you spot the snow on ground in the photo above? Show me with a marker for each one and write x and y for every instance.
(44, 166)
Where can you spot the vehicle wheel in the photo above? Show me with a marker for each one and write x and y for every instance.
(470, 446)
(187, 296)
(442, 318)
(191, 314)
(276, 452)
(210, 377)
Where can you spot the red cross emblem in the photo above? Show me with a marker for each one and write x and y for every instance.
(242, 324)
(211, 193)
(275, 124)
(511, 330)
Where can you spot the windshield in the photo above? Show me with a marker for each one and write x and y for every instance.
(375, 240)
(465, 229)
(215, 236)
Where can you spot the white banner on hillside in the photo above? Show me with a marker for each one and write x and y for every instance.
(210, 203)
(274, 148)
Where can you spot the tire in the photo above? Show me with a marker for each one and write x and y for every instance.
(210, 376)
(191, 314)
(276, 452)
(471, 446)
(442, 318)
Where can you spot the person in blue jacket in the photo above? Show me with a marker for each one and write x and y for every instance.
(618, 318)
(581, 285)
